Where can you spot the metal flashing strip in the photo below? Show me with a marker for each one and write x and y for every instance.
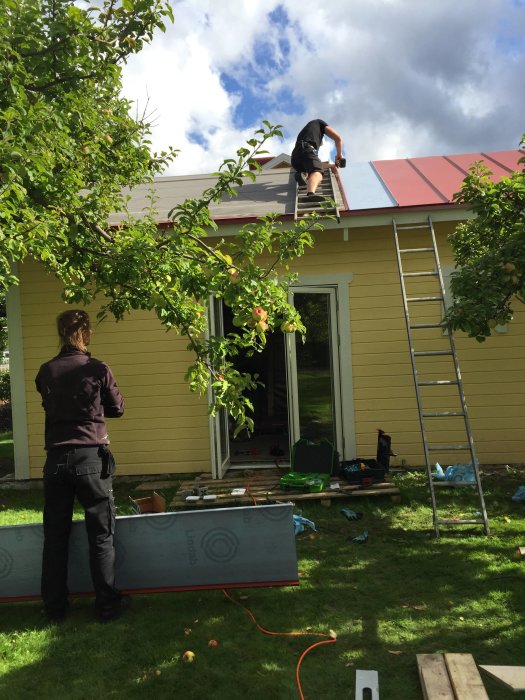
(187, 550)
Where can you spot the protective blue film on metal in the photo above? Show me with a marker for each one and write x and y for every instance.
(364, 189)
(216, 548)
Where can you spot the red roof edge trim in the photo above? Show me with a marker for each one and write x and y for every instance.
(429, 183)
(394, 211)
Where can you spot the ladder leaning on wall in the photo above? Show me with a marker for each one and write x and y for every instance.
(449, 361)
(327, 188)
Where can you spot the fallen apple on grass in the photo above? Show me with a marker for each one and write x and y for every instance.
(188, 657)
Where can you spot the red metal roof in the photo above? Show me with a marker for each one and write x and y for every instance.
(435, 179)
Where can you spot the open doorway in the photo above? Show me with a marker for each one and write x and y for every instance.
(301, 392)
(271, 437)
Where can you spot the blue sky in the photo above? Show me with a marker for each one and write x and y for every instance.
(397, 78)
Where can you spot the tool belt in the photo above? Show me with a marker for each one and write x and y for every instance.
(307, 146)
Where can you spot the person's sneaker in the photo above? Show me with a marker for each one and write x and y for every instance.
(301, 178)
(115, 613)
(312, 197)
(55, 617)
(56, 614)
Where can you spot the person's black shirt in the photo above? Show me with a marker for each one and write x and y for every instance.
(313, 133)
(77, 392)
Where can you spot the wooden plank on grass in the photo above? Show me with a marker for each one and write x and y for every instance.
(465, 677)
(511, 676)
(434, 677)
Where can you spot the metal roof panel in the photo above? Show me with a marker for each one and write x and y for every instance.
(507, 159)
(364, 189)
(444, 175)
(406, 183)
(381, 184)
(466, 160)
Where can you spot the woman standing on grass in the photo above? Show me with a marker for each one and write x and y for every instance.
(78, 393)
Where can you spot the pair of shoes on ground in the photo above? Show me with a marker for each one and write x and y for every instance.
(124, 604)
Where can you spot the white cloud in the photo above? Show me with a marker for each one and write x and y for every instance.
(397, 78)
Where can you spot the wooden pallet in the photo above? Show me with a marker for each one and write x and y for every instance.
(262, 488)
(450, 677)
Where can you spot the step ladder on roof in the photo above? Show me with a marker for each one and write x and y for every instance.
(425, 309)
(327, 187)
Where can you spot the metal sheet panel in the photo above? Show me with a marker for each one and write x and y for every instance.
(444, 175)
(405, 183)
(467, 160)
(216, 548)
(507, 159)
(364, 189)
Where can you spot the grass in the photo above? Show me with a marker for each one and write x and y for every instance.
(6, 454)
(402, 593)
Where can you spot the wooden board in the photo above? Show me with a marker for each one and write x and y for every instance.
(465, 678)
(433, 675)
(511, 676)
(266, 489)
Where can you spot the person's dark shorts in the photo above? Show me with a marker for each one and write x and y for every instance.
(305, 159)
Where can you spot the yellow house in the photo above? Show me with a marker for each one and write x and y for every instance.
(353, 374)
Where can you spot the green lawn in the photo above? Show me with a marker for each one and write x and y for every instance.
(6, 445)
(6, 454)
(402, 593)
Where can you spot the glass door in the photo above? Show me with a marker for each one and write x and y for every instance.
(314, 387)
(219, 422)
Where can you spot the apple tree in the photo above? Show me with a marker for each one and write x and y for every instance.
(70, 150)
(489, 251)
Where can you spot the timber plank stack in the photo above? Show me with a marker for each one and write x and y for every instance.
(265, 488)
(450, 677)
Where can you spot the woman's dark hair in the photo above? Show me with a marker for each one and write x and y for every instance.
(74, 328)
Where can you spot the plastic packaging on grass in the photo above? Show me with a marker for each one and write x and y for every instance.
(519, 496)
(456, 472)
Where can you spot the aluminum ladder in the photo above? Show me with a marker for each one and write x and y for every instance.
(327, 187)
(432, 298)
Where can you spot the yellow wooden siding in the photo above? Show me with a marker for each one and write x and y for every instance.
(383, 389)
(383, 386)
(165, 426)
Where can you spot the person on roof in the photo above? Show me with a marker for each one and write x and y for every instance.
(305, 158)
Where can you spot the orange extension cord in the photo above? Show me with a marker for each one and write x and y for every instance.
(330, 639)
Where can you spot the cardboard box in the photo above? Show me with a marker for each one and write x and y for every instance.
(151, 504)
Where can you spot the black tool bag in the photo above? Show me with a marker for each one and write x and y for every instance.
(320, 457)
(369, 471)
